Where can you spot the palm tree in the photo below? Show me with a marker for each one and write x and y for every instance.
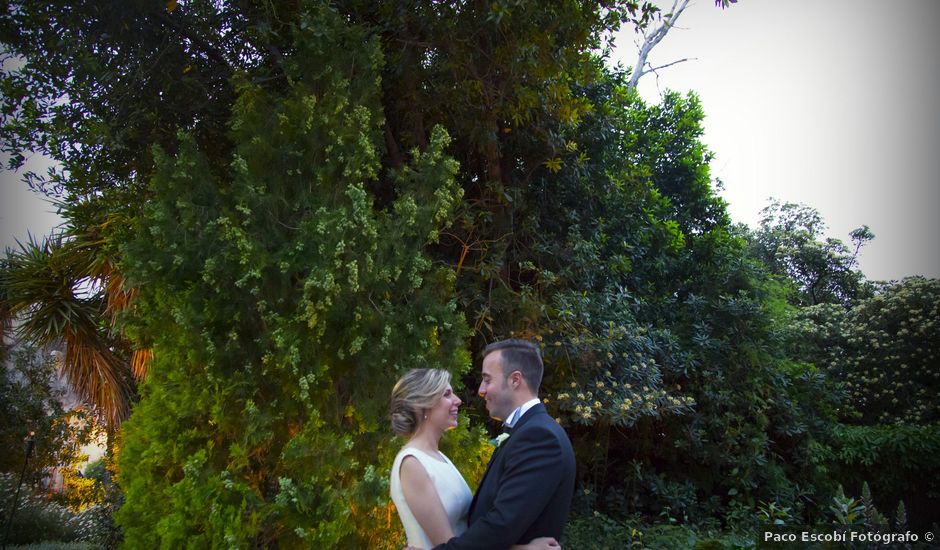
(64, 291)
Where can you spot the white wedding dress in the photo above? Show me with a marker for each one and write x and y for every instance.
(453, 491)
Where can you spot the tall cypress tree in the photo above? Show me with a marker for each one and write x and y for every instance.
(281, 305)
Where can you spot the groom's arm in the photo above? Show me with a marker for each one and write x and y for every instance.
(532, 474)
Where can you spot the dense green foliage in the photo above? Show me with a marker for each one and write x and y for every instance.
(822, 270)
(362, 188)
(897, 461)
(31, 402)
(39, 520)
(96, 523)
(676, 389)
(881, 357)
(36, 518)
(894, 456)
(282, 305)
(600, 532)
(884, 350)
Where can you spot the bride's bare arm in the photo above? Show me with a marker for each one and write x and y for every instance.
(424, 502)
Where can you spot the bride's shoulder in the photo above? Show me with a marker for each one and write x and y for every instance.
(407, 451)
(447, 459)
(400, 463)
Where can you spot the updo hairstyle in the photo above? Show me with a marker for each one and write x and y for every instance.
(416, 391)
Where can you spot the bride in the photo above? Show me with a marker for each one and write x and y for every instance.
(431, 496)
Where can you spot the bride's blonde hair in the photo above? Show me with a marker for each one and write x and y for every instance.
(417, 390)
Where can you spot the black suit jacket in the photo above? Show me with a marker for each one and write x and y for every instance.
(527, 488)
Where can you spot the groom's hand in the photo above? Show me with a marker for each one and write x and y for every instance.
(541, 543)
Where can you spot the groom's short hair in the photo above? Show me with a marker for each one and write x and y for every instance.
(520, 355)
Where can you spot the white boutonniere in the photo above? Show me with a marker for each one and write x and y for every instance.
(499, 439)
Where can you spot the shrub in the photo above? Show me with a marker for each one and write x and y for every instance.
(883, 350)
(58, 546)
(599, 532)
(30, 401)
(96, 523)
(36, 519)
(898, 461)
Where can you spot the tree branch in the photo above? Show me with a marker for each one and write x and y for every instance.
(654, 37)
(654, 69)
(211, 51)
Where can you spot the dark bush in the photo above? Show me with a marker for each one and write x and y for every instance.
(898, 461)
(36, 519)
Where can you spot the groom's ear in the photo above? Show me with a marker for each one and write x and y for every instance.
(515, 379)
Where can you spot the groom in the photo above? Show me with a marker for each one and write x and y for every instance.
(528, 485)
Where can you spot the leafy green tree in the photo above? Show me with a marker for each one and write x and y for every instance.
(275, 241)
(282, 304)
(130, 71)
(483, 70)
(31, 402)
(883, 350)
(662, 337)
(898, 460)
(790, 242)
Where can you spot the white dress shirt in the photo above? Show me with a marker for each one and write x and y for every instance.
(517, 414)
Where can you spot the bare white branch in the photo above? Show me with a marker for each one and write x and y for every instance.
(654, 37)
(683, 60)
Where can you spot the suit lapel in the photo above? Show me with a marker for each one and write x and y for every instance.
(536, 409)
(529, 414)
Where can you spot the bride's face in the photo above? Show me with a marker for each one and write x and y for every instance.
(443, 414)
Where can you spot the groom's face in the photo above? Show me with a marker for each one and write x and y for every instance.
(494, 387)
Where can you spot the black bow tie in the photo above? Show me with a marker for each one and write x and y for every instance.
(507, 430)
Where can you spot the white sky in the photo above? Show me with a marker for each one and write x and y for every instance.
(23, 212)
(834, 104)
